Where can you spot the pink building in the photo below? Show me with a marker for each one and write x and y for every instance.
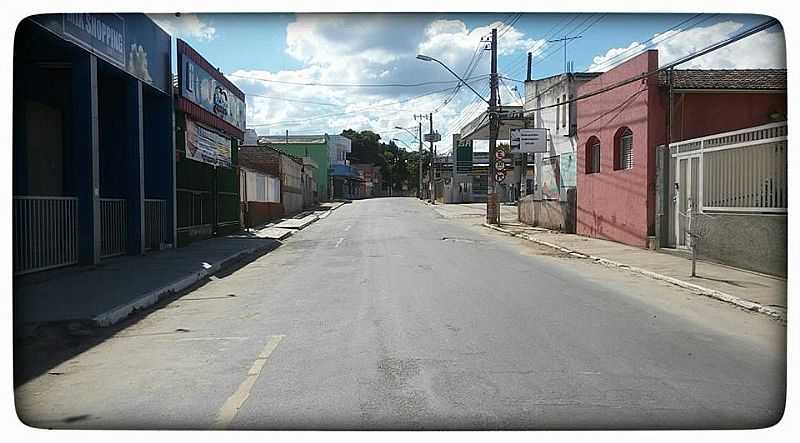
(619, 131)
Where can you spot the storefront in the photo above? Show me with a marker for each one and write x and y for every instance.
(92, 142)
(209, 126)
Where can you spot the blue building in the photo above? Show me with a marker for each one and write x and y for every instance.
(93, 142)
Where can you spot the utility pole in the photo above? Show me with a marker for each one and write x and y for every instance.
(492, 213)
(565, 39)
(419, 139)
(433, 161)
(523, 179)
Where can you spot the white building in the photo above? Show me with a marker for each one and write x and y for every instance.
(339, 147)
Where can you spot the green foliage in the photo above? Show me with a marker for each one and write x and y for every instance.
(397, 165)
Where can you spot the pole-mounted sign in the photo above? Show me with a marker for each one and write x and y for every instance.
(528, 140)
(435, 137)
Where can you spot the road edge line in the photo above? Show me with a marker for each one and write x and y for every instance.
(701, 290)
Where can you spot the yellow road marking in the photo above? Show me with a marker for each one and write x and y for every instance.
(228, 410)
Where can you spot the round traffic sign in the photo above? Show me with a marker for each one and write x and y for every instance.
(500, 154)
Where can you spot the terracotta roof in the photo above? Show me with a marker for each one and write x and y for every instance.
(756, 79)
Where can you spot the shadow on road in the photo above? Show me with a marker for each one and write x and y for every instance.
(54, 343)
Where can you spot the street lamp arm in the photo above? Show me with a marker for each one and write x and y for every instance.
(427, 59)
(412, 134)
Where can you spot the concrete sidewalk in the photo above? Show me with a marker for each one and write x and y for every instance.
(104, 294)
(107, 293)
(749, 290)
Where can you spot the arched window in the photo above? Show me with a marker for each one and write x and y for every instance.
(592, 151)
(623, 149)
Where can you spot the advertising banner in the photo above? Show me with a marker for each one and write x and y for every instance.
(567, 165)
(207, 89)
(549, 179)
(207, 146)
(131, 42)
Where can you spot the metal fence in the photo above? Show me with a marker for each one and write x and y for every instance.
(228, 208)
(194, 208)
(155, 223)
(113, 226)
(45, 232)
(737, 171)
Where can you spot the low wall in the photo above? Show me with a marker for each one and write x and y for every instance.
(751, 241)
(259, 213)
(550, 214)
(292, 203)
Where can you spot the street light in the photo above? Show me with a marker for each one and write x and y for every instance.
(492, 212)
(426, 58)
(407, 130)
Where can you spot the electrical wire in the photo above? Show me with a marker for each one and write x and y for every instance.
(351, 85)
(713, 47)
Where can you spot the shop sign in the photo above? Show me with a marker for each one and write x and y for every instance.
(207, 146)
(206, 90)
(131, 42)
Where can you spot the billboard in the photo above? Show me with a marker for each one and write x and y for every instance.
(207, 146)
(131, 42)
(206, 87)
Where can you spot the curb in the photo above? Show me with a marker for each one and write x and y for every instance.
(713, 293)
(114, 315)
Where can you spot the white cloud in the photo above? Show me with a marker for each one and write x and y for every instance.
(766, 49)
(185, 24)
(372, 49)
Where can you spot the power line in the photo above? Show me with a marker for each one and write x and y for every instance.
(354, 85)
(520, 64)
(581, 32)
(294, 100)
(278, 123)
(753, 30)
(645, 45)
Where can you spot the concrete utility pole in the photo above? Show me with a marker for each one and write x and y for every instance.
(420, 161)
(492, 213)
(433, 160)
(523, 179)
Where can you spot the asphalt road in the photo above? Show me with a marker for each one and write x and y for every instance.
(390, 315)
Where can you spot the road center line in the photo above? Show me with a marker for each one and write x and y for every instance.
(339, 242)
(348, 228)
(228, 410)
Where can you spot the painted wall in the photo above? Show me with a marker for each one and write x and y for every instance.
(750, 241)
(319, 154)
(698, 114)
(614, 204)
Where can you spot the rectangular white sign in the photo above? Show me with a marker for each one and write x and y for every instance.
(528, 140)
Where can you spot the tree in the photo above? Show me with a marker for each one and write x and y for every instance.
(397, 166)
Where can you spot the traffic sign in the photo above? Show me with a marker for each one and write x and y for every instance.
(528, 140)
(435, 137)
(499, 166)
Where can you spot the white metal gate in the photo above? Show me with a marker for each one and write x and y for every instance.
(113, 227)
(45, 232)
(742, 171)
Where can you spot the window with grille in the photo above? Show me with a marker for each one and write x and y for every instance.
(593, 156)
(624, 151)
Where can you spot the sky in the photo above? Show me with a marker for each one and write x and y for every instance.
(364, 73)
